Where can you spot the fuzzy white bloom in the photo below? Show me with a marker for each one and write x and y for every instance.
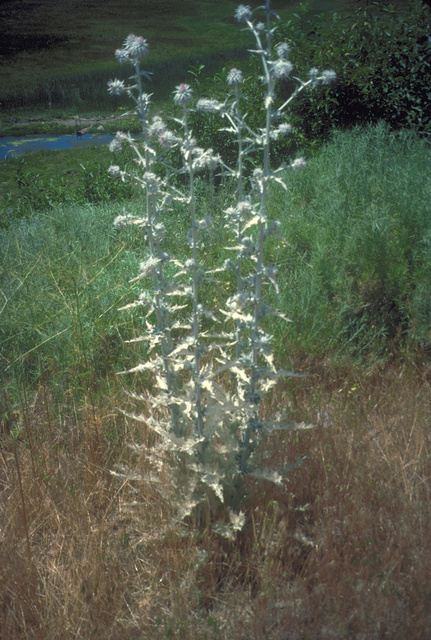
(117, 142)
(157, 127)
(283, 130)
(282, 68)
(136, 46)
(127, 219)
(122, 55)
(313, 73)
(237, 302)
(234, 76)
(116, 172)
(167, 139)
(151, 181)
(116, 87)
(260, 27)
(209, 105)
(244, 207)
(206, 159)
(183, 94)
(189, 264)
(283, 50)
(147, 267)
(329, 76)
(243, 13)
(299, 163)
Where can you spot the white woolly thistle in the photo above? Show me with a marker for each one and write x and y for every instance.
(210, 436)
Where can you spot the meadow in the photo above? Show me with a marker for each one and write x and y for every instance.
(90, 542)
(342, 550)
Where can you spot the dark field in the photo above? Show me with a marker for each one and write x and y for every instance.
(60, 53)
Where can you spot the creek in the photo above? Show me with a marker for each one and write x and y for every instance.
(13, 146)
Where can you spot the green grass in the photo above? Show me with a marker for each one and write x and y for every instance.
(353, 265)
(63, 277)
(355, 270)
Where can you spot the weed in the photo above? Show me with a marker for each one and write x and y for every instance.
(211, 436)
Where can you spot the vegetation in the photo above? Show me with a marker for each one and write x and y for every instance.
(91, 542)
(382, 55)
(352, 522)
(69, 61)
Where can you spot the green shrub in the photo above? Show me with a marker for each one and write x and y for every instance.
(382, 57)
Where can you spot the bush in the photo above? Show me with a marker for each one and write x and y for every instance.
(382, 57)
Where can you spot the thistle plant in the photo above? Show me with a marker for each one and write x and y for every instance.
(210, 383)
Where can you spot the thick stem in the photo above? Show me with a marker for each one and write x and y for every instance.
(239, 228)
(254, 374)
(158, 279)
(195, 283)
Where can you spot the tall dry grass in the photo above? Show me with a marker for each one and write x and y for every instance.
(341, 552)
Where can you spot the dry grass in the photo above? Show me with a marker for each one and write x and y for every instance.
(343, 551)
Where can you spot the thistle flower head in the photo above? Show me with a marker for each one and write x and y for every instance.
(122, 55)
(116, 87)
(167, 139)
(151, 182)
(237, 302)
(234, 76)
(298, 164)
(116, 172)
(329, 76)
(244, 208)
(243, 13)
(117, 142)
(283, 50)
(209, 105)
(313, 73)
(134, 47)
(284, 129)
(281, 69)
(137, 46)
(157, 126)
(205, 159)
(183, 94)
(158, 130)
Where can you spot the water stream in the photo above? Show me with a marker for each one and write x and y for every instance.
(13, 146)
